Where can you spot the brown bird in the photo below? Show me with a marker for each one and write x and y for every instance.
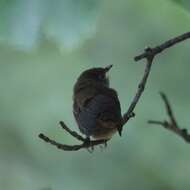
(96, 106)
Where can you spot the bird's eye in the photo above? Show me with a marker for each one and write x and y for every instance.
(101, 77)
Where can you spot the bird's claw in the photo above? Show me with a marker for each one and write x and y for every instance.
(88, 144)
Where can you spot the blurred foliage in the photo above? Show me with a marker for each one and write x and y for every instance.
(44, 45)
(24, 22)
(184, 3)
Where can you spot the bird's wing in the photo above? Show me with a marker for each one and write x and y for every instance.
(99, 109)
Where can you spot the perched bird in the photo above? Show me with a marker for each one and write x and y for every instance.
(96, 106)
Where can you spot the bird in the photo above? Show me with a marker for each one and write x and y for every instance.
(96, 106)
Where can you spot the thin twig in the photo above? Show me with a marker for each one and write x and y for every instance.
(72, 133)
(163, 46)
(140, 89)
(171, 124)
(86, 144)
(168, 108)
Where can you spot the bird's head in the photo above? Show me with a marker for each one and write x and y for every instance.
(98, 75)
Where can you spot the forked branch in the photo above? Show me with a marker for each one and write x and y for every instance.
(86, 143)
(148, 54)
(171, 124)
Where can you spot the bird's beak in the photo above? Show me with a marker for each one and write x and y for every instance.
(108, 68)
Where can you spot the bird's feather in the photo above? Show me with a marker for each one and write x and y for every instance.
(100, 114)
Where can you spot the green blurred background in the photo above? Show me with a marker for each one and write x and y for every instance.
(44, 46)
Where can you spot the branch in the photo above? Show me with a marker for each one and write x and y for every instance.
(163, 46)
(72, 133)
(87, 143)
(140, 89)
(149, 54)
(171, 124)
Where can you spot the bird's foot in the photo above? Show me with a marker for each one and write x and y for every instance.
(88, 144)
(104, 146)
